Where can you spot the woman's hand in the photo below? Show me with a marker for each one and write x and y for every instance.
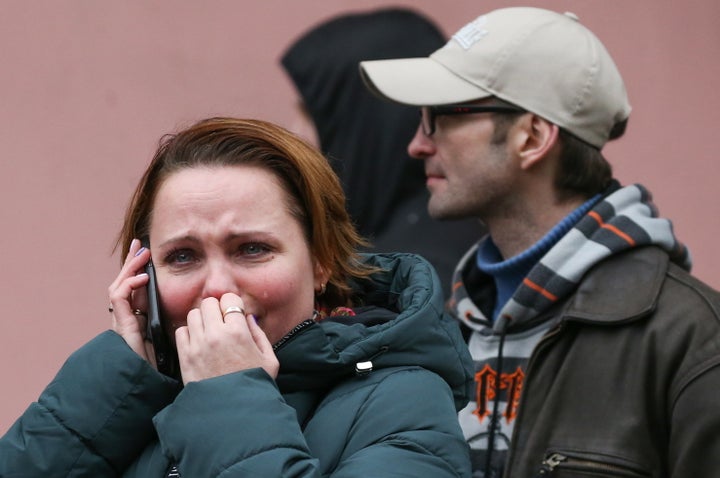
(220, 338)
(128, 299)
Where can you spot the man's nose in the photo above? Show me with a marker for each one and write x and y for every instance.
(420, 146)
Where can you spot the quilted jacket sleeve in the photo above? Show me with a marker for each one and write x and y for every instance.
(93, 419)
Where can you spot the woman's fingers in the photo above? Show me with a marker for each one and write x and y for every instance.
(130, 278)
(248, 325)
(128, 298)
(129, 267)
(270, 362)
(219, 339)
(258, 335)
(232, 307)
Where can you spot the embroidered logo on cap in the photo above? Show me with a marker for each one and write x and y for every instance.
(471, 33)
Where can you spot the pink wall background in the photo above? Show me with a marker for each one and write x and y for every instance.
(88, 87)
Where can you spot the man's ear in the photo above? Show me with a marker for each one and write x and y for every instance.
(537, 139)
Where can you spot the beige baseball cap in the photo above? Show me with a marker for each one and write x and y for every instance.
(545, 62)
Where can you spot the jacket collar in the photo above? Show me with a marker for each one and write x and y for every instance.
(414, 331)
(623, 288)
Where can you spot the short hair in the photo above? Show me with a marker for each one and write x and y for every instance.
(317, 198)
(583, 170)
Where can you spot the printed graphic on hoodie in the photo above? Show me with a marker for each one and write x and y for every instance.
(506, 390)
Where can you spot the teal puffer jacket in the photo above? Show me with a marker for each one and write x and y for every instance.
(109, 413)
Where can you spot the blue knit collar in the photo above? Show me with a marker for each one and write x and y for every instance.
(508, 273)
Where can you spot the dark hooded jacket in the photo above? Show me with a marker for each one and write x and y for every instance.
(366, 138)
(109, 413)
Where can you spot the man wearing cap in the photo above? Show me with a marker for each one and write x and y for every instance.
(596, 352)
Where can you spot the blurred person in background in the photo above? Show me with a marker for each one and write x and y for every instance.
(365, 138)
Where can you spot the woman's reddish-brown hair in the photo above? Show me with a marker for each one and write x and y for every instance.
(316, 197)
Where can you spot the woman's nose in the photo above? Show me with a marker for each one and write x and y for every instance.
(219, 280)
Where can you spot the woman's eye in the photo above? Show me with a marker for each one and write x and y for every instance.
(253, 249)
(180, 256)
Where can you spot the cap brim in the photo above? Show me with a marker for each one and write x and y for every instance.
(417, 82)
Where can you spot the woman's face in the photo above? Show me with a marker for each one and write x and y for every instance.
(228, 229)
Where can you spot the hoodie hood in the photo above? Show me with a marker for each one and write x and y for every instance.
(364, 137)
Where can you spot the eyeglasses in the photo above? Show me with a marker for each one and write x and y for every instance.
(429, 113)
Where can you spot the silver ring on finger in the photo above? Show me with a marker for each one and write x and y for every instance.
(232, 309)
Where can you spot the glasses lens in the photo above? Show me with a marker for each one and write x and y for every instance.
(427, 120)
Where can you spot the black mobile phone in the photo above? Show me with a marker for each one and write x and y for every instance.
(165, 354)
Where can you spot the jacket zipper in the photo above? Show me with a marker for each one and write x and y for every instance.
(549, 336)
(555, 460)
(173, 472)
(549, 463)
(301, 326)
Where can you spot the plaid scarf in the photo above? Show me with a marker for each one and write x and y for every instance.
(624, 219)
